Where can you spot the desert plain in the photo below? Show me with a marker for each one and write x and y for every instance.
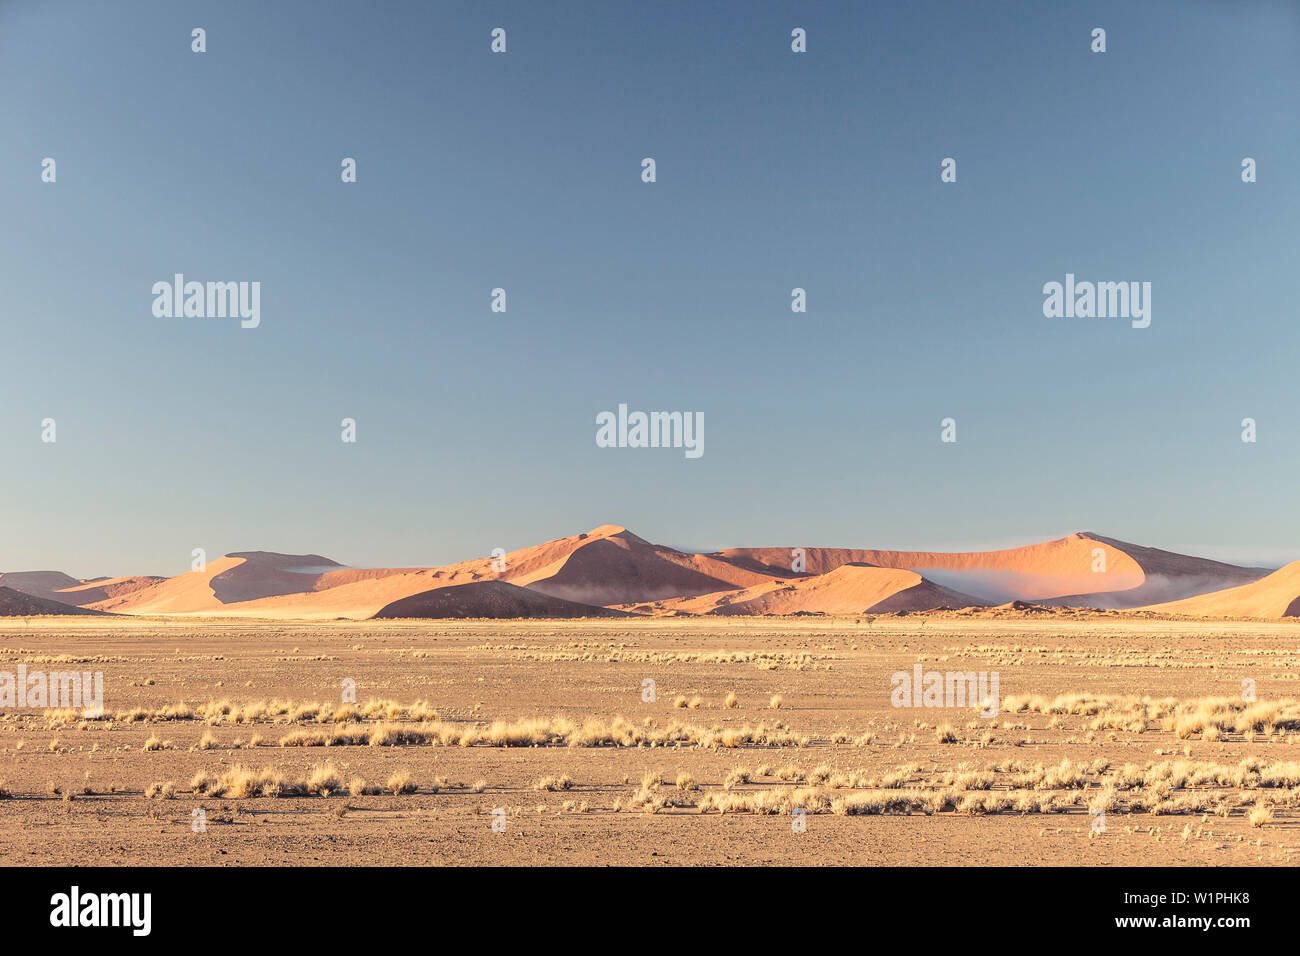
(1118, 739)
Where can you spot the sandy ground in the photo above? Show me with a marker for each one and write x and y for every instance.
(78, 788)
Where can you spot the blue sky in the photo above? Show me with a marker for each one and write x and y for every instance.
(522, 170)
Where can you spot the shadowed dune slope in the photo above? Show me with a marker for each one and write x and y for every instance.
(266, 574)
(17, 604)
(41, 584)
(494, 599)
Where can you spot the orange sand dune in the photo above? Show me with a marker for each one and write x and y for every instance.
(185, 593)
(1082, 568)
(265, 584)
(611, 567)
(1167, 577)
(848, 589)
(104, 588)
(608, 565)
(236, 578)
(194, 594)
(1277, 595)
(359, 599)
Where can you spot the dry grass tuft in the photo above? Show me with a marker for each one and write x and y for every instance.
(401, 782)
(1260, 814)
(735, 778)
(324, 779)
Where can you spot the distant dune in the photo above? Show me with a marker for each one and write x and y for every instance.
(320, 596)
(848, 589)
(612, 568)
(1167, 576)
(610, 565)
(1277, 595)
(17, 604)
(66, 590)
(104, 589)
(1082, 569)
(41, 584)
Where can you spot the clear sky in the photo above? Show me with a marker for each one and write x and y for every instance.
(522, 170)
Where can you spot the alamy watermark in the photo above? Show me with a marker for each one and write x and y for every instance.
(132, 911)
(652, 430)
(922, 688)
(208, 300)
(55, 689)
(1099, 300)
